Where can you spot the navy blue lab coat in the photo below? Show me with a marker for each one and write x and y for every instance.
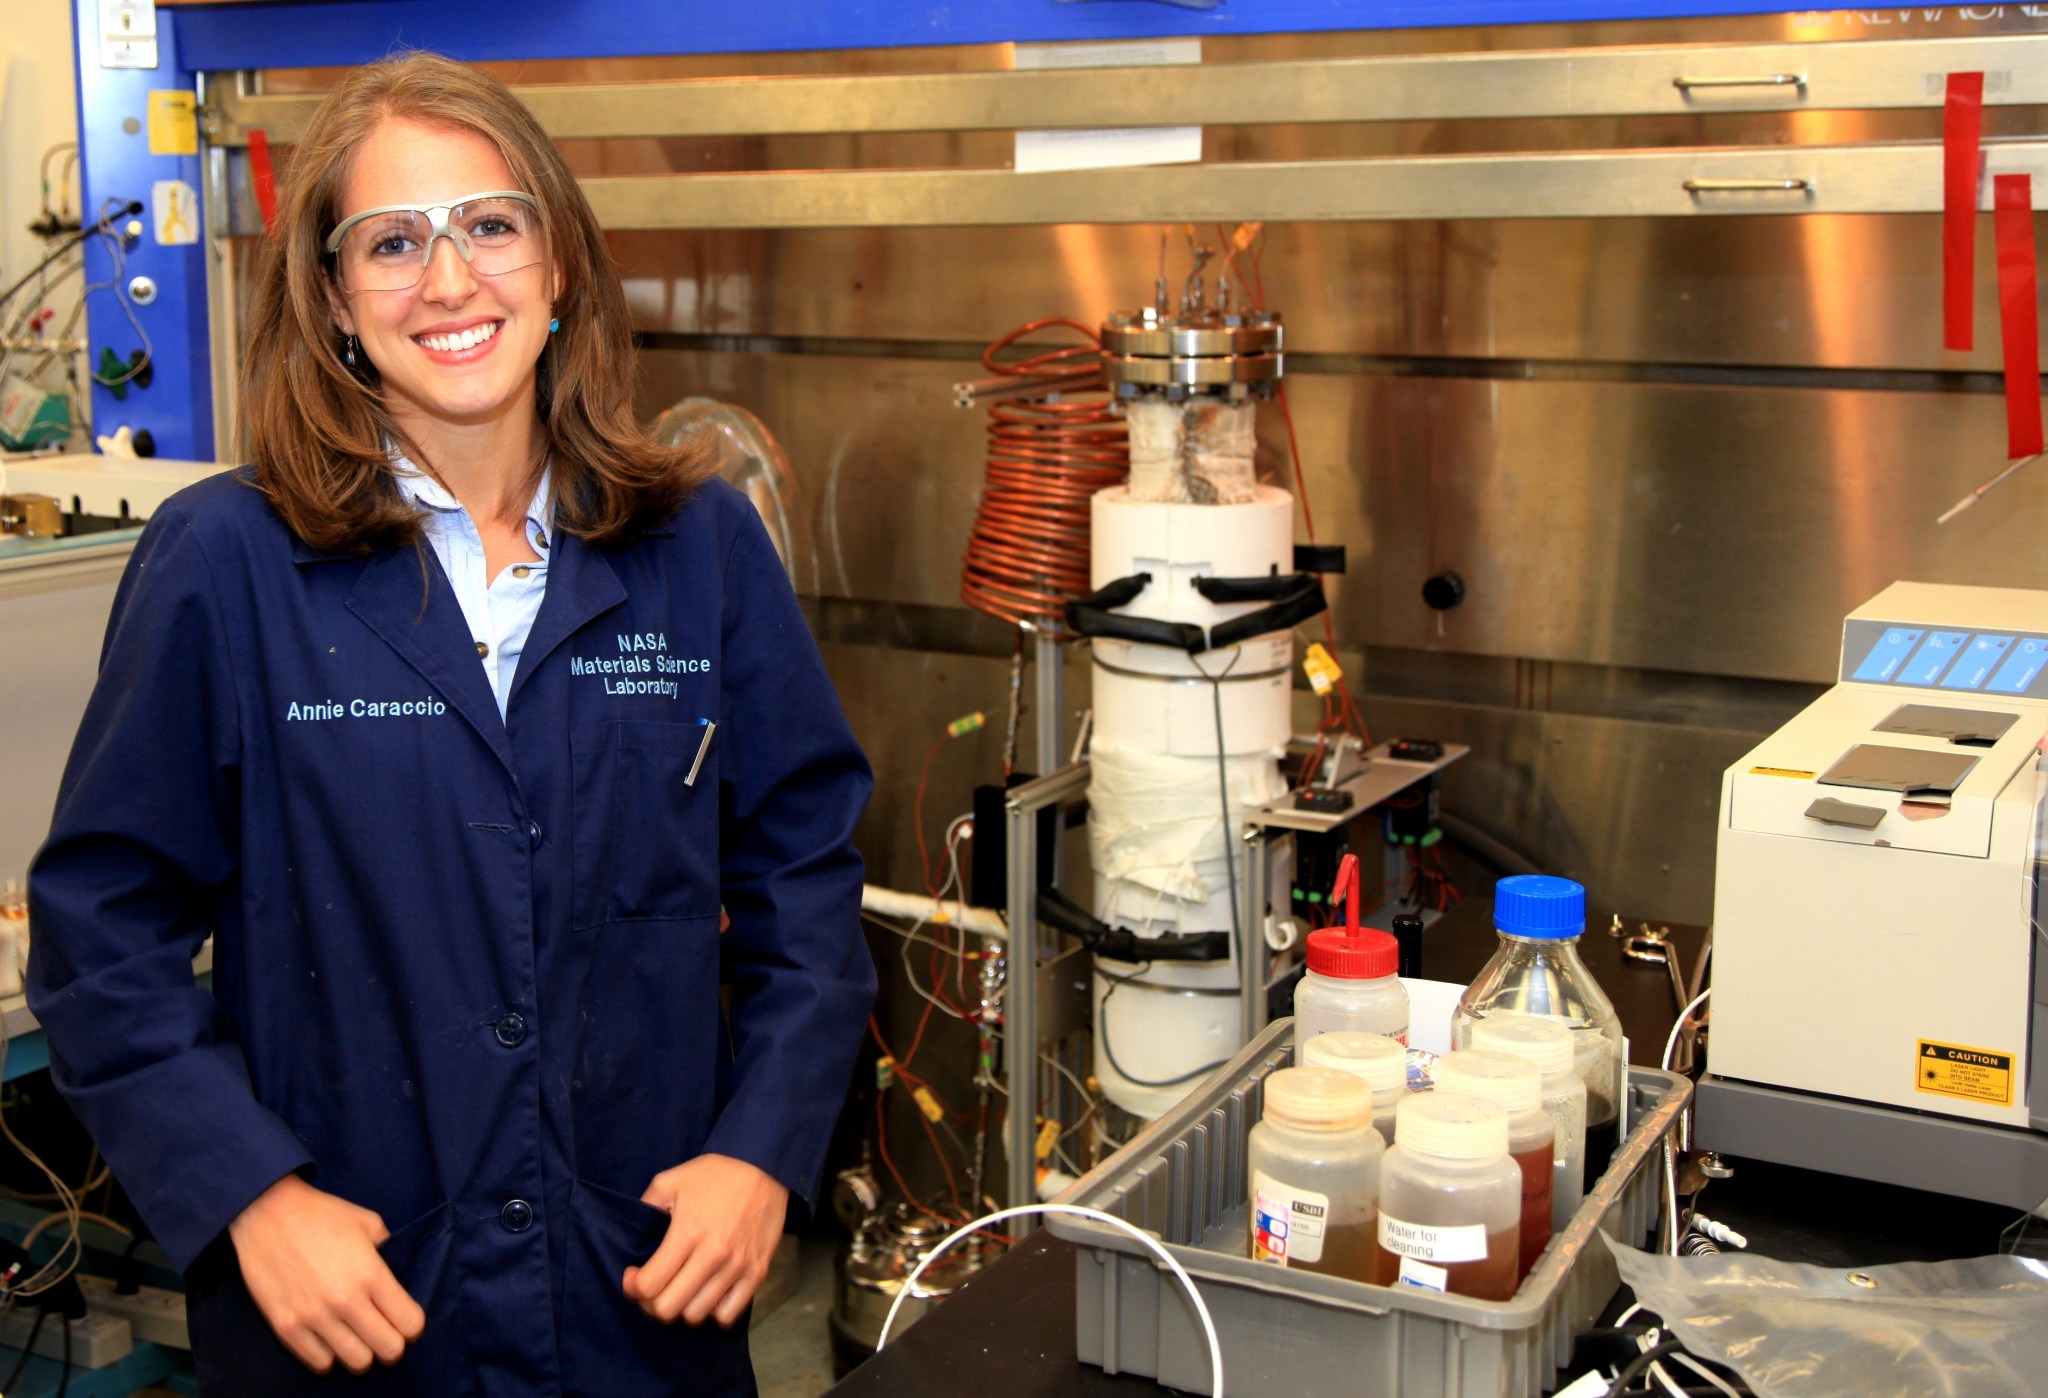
(466, 969)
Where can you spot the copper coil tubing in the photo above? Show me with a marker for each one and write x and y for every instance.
(1048, 454)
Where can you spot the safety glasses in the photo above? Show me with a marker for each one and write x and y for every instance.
(387, 249)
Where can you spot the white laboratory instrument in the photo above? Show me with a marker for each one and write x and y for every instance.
(1879, 997)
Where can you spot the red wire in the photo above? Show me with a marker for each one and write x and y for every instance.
(882, 1145)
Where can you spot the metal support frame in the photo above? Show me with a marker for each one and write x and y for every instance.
(1049, 699)
(1382, 778)
(1020, 996)
(1660, 80)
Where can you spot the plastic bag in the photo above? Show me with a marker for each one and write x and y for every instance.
(749, 456)
(1976, 1328)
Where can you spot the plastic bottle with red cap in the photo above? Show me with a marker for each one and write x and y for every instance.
(1351, 982)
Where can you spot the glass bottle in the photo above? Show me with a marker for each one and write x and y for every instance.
(1537, 971)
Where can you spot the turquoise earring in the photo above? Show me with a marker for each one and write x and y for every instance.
(553, 326)
(349, 354)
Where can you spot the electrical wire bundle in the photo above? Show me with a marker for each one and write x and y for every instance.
(1049, 451)
(50, 1284)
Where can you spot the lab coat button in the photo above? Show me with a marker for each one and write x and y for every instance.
(512, 1030)
(517, 1216)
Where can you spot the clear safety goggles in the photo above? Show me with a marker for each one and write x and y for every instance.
(387, 249)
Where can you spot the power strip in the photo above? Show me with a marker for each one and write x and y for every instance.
(156, 1316)
(96, 1341)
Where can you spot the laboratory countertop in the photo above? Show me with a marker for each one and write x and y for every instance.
(1016, 1320)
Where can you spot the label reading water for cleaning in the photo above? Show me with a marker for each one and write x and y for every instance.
(1287, 1223)
(1975, 1075)
(1438, 1243)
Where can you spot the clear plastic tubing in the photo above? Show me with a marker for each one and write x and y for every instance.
(1351, 985)
(1381, 1061)
(1450, 1199)
(1537, 971)
(1314, 1164)
(1548, 1045)
(1513, 1085)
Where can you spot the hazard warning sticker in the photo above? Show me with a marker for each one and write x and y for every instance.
(1975, 1075)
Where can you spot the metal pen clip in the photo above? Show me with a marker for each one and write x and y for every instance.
(702, 748)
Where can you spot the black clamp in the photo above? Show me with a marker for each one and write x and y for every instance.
(1293, 598)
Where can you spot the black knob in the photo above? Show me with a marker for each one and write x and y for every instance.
(144, 443)
(1444, 591)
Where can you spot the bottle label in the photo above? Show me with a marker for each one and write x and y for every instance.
(1423, 1275)
(1438, 1243)
(1287, 1223)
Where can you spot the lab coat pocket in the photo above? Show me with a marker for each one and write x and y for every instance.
(645, 803)
(621, 1351)
(237, 1354)
(419, 1255)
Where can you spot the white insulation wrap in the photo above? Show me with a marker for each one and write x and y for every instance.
(1156, 834)
(1175, 544)
(1199, 451)
(1158, 828)
(1159, 1029)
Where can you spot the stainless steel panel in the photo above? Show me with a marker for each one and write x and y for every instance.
(1711, 530)
(1606, 184)
(1708, 530)
(1835, 292)
(1628, 809)
(1413, 87)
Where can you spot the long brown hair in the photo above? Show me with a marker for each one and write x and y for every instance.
(319, 431)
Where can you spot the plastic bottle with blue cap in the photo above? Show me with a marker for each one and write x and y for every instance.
(1537, 971)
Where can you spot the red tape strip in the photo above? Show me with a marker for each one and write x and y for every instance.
(264, 178)
(2018, 313)
(1962, 131)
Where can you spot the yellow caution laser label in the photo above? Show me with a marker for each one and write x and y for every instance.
(1973, 1074)
(1780, 772)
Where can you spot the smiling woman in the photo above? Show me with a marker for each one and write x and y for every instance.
(486, 739)
(433, 332)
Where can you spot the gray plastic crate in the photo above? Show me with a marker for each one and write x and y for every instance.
(1286, 1333)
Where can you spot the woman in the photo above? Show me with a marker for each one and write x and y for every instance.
(455, 719)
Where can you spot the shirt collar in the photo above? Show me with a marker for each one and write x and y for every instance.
(429, 493)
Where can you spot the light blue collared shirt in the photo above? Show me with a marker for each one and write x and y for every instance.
(500, 611)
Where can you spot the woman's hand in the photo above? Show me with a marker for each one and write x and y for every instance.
(311, 1265)
(725, 1217)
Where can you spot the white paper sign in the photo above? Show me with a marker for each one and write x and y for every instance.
(127, 33)
(1108, 149)
(174, 209)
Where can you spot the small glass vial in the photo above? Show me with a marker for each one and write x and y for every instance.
(1537, 971)
(1351, 985)
(1381, 1061)
(1314, 1165)
(1548, 1045)
(1450, 1199)
(1513, 1085)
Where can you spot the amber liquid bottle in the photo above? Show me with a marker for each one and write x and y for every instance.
(1450, 1199)
(1515, 1085)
